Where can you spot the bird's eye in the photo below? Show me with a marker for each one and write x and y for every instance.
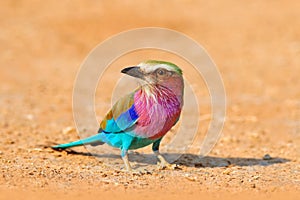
(161, 72)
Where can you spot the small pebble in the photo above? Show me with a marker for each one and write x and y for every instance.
(190, 178)
(37, 149)
(29, 116)
(68, 129)
(227, 171)
(267, 157)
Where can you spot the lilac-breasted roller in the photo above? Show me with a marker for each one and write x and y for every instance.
(144, 116)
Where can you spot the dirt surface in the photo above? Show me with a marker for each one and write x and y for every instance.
(255, 44)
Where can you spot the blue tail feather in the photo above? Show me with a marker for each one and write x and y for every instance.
(93, 140)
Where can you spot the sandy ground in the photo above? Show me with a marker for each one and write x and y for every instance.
(256, 45)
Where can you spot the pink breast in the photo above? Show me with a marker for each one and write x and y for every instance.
(157, 113)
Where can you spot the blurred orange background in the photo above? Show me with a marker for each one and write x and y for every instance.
(255, 44)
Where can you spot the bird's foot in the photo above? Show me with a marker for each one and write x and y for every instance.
(168, 166)
(163, 164)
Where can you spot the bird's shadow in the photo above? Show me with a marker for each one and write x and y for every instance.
(190, 160)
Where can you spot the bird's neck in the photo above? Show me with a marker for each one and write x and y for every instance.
(159, 91)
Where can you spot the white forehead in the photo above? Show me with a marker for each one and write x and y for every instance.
(149, 67)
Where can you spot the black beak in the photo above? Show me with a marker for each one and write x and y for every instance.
(133, 71)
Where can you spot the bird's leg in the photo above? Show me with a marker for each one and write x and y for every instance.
(124, 155)
(162, 161)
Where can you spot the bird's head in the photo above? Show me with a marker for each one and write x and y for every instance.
(155, 72)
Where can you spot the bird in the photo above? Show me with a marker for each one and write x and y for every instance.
(144, 116)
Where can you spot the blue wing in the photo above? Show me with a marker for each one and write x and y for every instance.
(122, 116)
